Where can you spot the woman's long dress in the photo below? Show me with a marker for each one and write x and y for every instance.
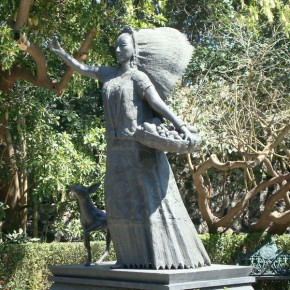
(148, 221)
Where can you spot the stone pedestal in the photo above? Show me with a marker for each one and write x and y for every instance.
(102, 277)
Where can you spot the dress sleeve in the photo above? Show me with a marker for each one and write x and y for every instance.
(142, 82)
(105, 73)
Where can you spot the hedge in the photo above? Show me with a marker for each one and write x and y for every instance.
(26, 266)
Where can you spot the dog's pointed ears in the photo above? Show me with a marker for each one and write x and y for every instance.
(94, 187)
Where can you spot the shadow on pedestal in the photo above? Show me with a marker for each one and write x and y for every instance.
(102, 277)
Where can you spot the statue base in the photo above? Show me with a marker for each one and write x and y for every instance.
(102, 277)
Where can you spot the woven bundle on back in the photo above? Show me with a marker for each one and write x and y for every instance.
(163, 54)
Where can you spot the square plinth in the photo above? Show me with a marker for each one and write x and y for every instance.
(102, 277)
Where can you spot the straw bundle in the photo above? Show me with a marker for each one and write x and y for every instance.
(163, 54)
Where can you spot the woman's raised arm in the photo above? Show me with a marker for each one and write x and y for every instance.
(86, 70)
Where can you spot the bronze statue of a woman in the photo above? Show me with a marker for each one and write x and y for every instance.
(148, 221)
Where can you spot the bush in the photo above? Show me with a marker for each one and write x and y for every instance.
(26, 266)
(224, 249)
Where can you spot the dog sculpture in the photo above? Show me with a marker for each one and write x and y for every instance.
(91, 217)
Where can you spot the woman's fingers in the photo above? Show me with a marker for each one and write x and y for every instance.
(53, 43)
(188, 135)
(49, 43)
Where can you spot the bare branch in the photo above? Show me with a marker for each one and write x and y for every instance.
(203, 193)
(213, 161)
(241, 205)
(203, 204)
(280, 218)
(189, 162)
(267, 216)
(283, 132)
(269, 167)
(287, 151)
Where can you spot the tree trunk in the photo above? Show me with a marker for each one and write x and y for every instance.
(23, 184)
(1, 225)
(9, 184)
(35, 218)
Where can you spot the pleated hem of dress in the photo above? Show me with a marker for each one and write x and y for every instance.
(164, 267)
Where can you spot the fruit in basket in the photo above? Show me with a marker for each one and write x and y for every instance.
(164, 130)
(164, 137)
(151, 128)
(174, 133)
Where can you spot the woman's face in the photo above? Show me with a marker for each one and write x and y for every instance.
(124, 48)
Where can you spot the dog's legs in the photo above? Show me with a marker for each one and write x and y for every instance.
(108, 242)
(88, 247)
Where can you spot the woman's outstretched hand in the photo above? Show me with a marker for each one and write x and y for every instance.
(54, 44)
(187, 134)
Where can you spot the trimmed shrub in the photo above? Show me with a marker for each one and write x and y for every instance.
(224, 249)
(26, 266)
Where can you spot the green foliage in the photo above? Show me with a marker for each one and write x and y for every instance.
(223, 249)
(18, 237)
(26, 266)
(274, 11)
(60, 164)
(64, 135)
(65, 145)
(238, 95)
(3, 206)
(8, 48)
(234, 76)
(59, 140)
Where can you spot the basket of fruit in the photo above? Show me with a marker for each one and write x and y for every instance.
(164, 137)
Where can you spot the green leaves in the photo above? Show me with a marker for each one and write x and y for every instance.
(8, 47)
(26, 266)
(3, 207)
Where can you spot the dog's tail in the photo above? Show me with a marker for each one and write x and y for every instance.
(108, 243)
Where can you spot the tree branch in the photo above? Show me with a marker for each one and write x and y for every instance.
(268, 216)
(270, 168)
(22, 14)
(213, 221)
(203, 205)
(39, 58)
(17, 73)
(241, 205)
(42, 78)
(213, 161)
(283, 132)
(287, 151)
(280, 218)
(81, 56)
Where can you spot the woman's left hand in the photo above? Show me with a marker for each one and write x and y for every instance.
(187, 134)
